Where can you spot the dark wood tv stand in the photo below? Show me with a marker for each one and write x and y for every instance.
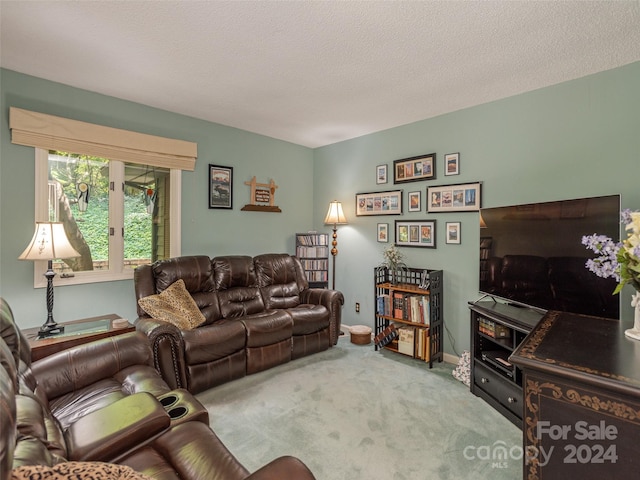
(582, 398)
(496, 331)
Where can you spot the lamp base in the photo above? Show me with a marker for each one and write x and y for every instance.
(50, 329)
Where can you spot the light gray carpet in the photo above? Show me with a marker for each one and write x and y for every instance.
(355, 414)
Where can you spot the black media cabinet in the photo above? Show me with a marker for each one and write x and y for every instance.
(496, 331)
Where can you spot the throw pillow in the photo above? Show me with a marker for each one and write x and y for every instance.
(77, 471)
(174, 305)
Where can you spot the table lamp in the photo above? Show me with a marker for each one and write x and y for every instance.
(335, 216)
(48, 243)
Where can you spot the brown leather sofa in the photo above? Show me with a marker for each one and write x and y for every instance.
(259, 312)
(102, 405)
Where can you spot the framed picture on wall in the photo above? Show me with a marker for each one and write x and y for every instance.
(381, 174)
(220, 186)
(379, 203)
(452, 164)
(383, 232)
(453, 233)
(416, 234)
(414, 169)
(414, 201)
(463, 197)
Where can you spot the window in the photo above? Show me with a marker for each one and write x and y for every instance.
(100, 189)
(117, 215)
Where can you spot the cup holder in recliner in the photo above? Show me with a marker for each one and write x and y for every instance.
(177, 412)
(168, 401)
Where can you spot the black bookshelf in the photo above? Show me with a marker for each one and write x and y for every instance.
(411, 299)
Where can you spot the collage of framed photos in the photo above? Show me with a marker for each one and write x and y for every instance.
(458, 197)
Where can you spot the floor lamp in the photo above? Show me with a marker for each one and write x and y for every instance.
(335, 216)
(48, 243)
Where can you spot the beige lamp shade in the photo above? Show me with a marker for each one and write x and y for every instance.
(335, 215)
(49, 242)
(482, 222)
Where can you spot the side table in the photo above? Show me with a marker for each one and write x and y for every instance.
(581, 398)
(75, 333)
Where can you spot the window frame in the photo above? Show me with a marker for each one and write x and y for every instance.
(116, 269)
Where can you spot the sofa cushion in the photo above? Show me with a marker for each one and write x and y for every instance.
(238, 302)
(77, 471)
(309, 318)
(218, 340)
(7, 420)
(237, 286)
(267, 328)
(7, 362)
(209, 305)
(277, 278)
(195, 270)
(35, 422)
(70, 407)
(190, 450)
(281, 296)
(233, 271)
(174, 305)
(13, 336)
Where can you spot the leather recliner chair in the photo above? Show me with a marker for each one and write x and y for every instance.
(104, 402)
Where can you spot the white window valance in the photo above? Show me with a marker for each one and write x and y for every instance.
(56, 133)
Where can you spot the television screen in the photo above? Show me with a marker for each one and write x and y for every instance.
(532, 255)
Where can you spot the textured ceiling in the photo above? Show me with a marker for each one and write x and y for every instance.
(316, 72)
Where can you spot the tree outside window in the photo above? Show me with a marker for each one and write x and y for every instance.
(115, 214)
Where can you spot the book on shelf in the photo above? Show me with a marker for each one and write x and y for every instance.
(317, 276)
(426, 345)
(383, 305)
(320, 264)
(414, 342)
(312, 252)
(386, 336)
(406, 341)
(493, 329)
(313, 239)
(420, 309)
(398, 305)
(406, 306)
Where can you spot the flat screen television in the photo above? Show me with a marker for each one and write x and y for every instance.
(532, 255)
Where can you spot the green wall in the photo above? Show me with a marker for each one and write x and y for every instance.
(580, 138)
(576, 139)
(204, 231)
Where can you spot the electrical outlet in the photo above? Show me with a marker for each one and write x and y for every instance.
(357, 307)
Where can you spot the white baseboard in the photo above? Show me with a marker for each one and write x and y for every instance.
(453, 359)
(345, 328)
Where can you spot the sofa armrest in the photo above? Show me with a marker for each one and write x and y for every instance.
(72, 369)
(104, 434)
(333, 301)
(283, 468)
(167, 347)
